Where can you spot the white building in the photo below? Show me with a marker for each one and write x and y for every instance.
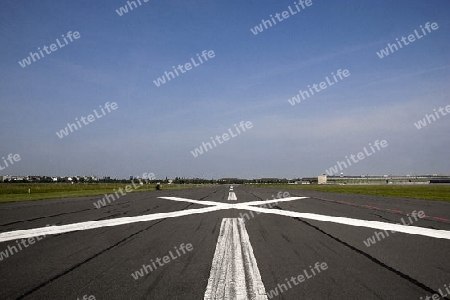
(322, 179)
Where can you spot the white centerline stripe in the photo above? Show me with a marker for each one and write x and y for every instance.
(232, 196)
(234, 271)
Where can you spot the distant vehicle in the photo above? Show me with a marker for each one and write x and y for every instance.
(158, 186)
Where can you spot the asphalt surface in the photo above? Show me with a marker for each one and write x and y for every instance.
(99, 262)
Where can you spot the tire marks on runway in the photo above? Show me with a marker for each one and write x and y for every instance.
(76, 266)
(44, 217)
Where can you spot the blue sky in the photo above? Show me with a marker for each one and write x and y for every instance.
(250, 78)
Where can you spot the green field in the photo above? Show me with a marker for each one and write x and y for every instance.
(19, 191)
(422, 191)
(11, 192)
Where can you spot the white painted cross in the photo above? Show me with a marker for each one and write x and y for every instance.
(216, 206)
(233, 237)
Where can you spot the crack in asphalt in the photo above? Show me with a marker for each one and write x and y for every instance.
(370, 257)
(122, 241)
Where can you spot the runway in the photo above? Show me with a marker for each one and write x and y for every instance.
(246, 243)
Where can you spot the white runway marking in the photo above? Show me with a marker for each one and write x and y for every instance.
(271, 201)
(434, 233)
(232, 196)
(234, 271)
(215, 206)
(194, 201)
(49, 230)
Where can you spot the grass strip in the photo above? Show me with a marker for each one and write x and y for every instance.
(439, 192)
(13, 192)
